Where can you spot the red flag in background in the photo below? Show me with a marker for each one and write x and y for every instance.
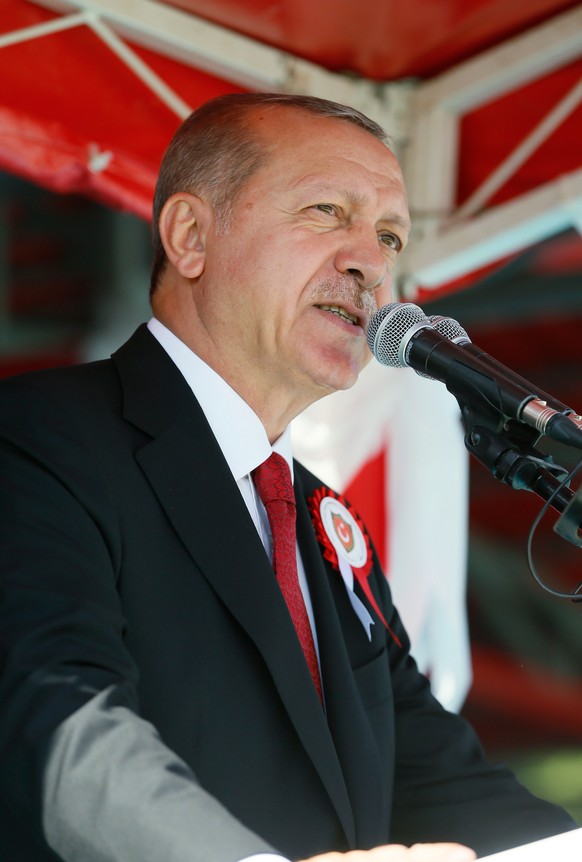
(393, 444)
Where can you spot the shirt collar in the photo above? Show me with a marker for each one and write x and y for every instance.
(238, 430)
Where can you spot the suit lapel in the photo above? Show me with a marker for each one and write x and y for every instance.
(353, 738)
(194, 485)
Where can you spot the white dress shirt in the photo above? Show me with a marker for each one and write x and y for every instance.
(244, 444)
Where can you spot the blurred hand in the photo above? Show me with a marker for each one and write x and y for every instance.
(399, 853)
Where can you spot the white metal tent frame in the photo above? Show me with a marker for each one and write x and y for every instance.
(423, 119)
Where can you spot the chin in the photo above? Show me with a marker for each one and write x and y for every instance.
(337, 382)
(332, 371)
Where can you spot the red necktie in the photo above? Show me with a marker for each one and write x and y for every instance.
(273, 482)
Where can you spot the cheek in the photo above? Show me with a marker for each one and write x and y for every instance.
(367, 357)
(266, 259)
(384, 293)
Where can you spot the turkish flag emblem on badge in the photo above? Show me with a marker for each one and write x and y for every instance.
(347, 548)
(343, 531)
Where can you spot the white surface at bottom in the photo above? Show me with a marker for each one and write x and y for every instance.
(566, 847)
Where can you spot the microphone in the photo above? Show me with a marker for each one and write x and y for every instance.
(401, 335)
(453, 330)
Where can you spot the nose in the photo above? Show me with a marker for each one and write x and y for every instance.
(361, 256)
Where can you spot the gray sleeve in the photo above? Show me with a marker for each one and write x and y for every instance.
(113, 792)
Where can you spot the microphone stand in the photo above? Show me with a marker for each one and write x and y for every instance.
(507, 450)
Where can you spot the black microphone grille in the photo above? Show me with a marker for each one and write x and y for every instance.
(388, 330)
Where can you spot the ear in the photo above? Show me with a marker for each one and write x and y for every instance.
(183, 225)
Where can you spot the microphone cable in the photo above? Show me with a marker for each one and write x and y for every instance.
(576, 594)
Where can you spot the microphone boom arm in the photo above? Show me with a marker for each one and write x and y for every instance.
(510, 457)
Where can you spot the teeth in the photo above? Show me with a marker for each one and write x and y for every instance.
(341, 312)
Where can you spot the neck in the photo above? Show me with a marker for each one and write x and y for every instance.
(273, 403)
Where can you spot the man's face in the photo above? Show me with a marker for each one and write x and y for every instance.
(289, 287)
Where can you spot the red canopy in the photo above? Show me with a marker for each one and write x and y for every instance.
(74, 117)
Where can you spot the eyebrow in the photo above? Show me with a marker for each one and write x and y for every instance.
(404, 223)
(324, 188)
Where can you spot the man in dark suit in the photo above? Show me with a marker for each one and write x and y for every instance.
(162, 696)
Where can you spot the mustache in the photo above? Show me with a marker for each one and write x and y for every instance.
(345, 289)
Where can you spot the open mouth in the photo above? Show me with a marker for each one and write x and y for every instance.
(341, 312)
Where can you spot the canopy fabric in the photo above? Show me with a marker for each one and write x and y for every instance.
(379, 39)
(73, 117)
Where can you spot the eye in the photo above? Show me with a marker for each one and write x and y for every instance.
(328, 209)
(390, 240)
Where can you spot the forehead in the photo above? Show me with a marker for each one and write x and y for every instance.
(308, 151)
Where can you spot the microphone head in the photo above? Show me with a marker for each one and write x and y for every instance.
(390, 330)
(450, 328)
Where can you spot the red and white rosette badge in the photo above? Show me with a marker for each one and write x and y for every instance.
(346, 545)
(350, 546)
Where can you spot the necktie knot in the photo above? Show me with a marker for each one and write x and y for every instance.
(272, 480)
